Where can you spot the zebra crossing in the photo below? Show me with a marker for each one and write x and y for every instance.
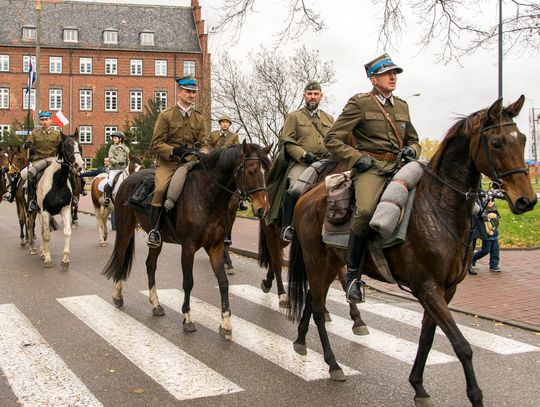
(38, 376)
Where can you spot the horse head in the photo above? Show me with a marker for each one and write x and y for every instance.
(249, 176)
(135, 164)
(68, 151)
(497, 150)
(4, 159)
(18, 159)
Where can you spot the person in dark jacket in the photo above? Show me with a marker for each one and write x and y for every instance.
(487, 228)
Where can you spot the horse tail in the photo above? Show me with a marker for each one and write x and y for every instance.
(264, 253)
(119, 264)
(297, 280)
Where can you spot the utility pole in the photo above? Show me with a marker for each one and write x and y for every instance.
(38, 53)
(535, 154)
(500, 51)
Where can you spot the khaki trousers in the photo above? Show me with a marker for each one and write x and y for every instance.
(368, 188)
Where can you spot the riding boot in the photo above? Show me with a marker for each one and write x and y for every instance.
(31, 191)
(73, 182)
(289, 201)
(83, 185)
(154, 237)
(108, 195)
(355, 255)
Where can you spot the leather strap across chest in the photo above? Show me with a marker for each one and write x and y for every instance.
(389, 119)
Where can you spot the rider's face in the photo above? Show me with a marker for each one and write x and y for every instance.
(312, 98)
(386, 82)
(45, 122)
(186, 97)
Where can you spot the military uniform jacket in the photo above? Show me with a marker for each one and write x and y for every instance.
(172, 129)
(302, 127)
(44, 143)
(371, 130)
(118, 156)
(219, 139)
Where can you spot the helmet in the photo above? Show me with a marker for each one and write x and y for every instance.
(224, 117)
(118, 134)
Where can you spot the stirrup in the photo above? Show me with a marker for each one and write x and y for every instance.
(287, 234)
(356, 292)
(154, 239)
(107, 202)
(7, 196)
(74, 201)
(32, 206)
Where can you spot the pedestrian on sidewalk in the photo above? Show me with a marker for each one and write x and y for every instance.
(488, 228)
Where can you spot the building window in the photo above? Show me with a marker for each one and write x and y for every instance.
(111, 100)
(147, 38)
(110, 37)
(71, 35)
(85, 134)
(4, 98)
(29, 34)
(32, 99)
(85, 65)
(161, 99)
(55, 64)
(26, 63)
(189, 68)
(136, 66)
(4, 131)
(4, 63)
(161, 67)
(55, 99)
(109, 130)
(135, 100)
(85, 99)
(111, 66)
(87, 162)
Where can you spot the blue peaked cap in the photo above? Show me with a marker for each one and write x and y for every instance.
(45, 115)
(187, 82)
(381, 65)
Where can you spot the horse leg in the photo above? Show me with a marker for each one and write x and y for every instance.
(299, 344)
(359, 326)
(435, 304)
(216, 260)
(75, 217)
(45, 238)
(30, 224)
(151, 265)
(66, 217)
(276, 262)
(188, 253)
(118, 298)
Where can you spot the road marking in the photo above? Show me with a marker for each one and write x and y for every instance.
(387, 344)
(264, 343)
(37, 375)
(178, 372)
(476, 337)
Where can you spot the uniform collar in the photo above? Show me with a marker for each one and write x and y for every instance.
(314, 113)
(223, 133)
(185, 112)
(383, 100)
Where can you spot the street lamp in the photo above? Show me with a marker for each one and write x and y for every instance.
(533, 138)
(412, 96)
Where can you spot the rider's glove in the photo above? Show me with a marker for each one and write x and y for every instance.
(409, 153)
(309, 158)
(179, 151)
(364, 163)
(27, 145)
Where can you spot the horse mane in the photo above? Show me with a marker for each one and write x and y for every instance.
(221, 158)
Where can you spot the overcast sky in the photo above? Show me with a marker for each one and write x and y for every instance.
(350, 40)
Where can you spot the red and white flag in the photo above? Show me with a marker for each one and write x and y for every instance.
(59, 119)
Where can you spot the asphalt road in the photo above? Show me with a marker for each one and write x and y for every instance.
(62, 342)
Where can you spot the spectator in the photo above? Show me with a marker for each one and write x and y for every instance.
(488, 231)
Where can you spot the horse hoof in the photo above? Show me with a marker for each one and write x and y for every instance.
(360, 330)
(48, 264)
(327, 317)
(284, 304)
(264, 287)
(118, 302)
(189, 327)
(33, 252)
(225, 333)
(423, 402)
(230, 272)
(337, 375)
(158, 311)
(22, 243)
(65, 264)
(103, 244)
(300, 349)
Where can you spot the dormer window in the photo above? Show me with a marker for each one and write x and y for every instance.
(71, 35)
(29, 34)
(110, 37)
(147, 38)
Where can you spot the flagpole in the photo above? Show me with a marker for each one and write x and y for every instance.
(38, 53)
(29, 93)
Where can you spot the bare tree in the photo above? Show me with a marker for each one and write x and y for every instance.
(456, 27)
(259, 101)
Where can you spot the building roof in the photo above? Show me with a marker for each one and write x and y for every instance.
(173, 27)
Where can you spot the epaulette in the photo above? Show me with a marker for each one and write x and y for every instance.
(398, 98)
(362, 95)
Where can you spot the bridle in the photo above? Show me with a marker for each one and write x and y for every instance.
(67, 158)
(240, 169)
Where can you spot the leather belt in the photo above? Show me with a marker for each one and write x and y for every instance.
(389, 157)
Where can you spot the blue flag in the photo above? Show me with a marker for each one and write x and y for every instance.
(31, 76)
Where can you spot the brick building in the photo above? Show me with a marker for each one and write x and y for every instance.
(99, 62)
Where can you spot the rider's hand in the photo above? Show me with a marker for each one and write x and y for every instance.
(309, 158)
(179, 151)
(27, 145)
(364, 163)
(409, 153)
(200, 154)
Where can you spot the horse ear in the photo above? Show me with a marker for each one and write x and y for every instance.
(514, 109)
(268, 148)
(245, 148)
(63, 135)
(494, 112)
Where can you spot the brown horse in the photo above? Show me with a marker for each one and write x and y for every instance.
(19, 161)
(5, 154)
(197, 221)
(102, 212)
(436, 254)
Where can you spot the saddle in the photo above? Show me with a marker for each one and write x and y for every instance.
(141, 198)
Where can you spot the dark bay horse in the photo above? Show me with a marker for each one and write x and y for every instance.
(98, 197)
(5, 154)
(436, 254)
(19, 161)
(197, 221)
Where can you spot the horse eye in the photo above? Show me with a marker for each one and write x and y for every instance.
(496, 144)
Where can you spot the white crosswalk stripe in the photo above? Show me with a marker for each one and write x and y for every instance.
(387, 344)
(264, 343)
(37, 375)
(476, 337)
(179, 373)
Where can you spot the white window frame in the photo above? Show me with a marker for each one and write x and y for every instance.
(161, 96)
(70, 35)
(55, 64)
(4, 63)
(85, 100)
(111, 100)
(29, 34)
(189, 68)
(84, 64)
(3, 128)
(32, 99)
(109, 130)
(26, 63)
(55, 99)
(110, 37)
(136, 67)
(111, 66)
(88, 161)
(4, 98)
(85, 134)
(160, 67)
(147, 38)
(135, 101)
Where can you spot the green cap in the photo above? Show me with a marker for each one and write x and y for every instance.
(312, 85)
(224, 117)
